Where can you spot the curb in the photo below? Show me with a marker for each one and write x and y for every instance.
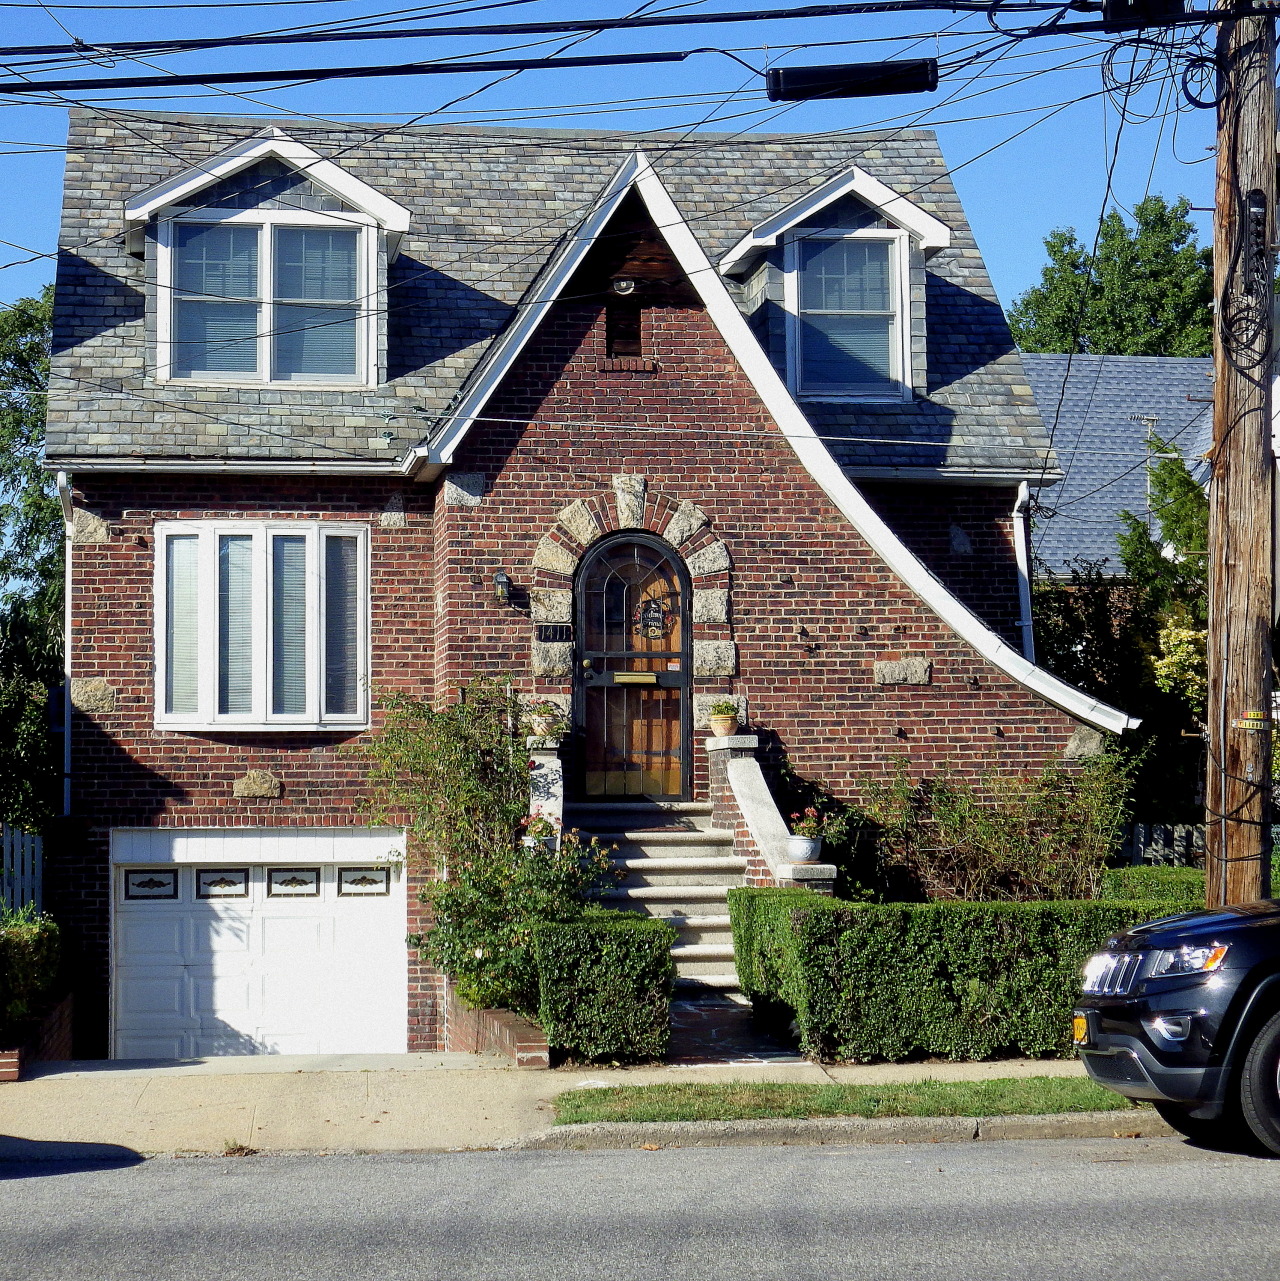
(1123, 1124)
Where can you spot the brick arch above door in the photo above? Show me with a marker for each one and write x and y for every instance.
(629, 504)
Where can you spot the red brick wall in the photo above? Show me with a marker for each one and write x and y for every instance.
(812, 606)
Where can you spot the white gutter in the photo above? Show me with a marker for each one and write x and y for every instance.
(1022, 553)
(68, 523)
(243, 467)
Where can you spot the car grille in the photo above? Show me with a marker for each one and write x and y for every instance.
(1114, 973)
(1120, 1069)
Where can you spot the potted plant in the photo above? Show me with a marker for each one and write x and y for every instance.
(809, 829)
(722, 716)
(546, 720)
(538, 832)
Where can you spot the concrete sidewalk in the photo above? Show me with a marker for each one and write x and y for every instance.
(411, 1102)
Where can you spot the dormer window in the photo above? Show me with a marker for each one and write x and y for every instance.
(268, 267)
(848, 330)
(265, 296)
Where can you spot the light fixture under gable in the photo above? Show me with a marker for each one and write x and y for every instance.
(393, 218)
(930, 233)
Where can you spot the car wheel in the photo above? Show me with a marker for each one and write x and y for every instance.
(1223, 1132)
(1260, 1085)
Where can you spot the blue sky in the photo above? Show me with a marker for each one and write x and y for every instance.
(1022, 166)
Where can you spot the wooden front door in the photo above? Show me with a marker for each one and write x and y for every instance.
(633, 670)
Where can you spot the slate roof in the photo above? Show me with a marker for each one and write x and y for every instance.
(489, 206)
(1100, 426)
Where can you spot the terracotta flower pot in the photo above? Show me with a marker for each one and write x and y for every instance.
(723, 726)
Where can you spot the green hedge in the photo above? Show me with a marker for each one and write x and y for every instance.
(605, 985)
(29, 956)
(955, 980)
(1148, 881)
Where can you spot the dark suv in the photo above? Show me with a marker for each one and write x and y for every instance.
(1185, 1012)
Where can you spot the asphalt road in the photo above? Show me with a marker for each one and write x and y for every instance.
(1143, 1210)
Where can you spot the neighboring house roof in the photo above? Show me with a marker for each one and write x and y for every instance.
(1100, 411)
(487, 209)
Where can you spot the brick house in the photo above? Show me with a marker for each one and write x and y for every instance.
(344, 410)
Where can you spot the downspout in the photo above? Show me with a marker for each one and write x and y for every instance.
(1022, 554)
(68, 522)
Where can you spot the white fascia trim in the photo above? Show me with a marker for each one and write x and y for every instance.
(930, 233)
(383, 210)
(269, 467)
(499, 359)
(951, 475)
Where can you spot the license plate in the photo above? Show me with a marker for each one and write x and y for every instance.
(1080, 1029)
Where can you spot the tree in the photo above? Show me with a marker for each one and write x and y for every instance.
(1138, 640)
(30, 570)
(1148, 293)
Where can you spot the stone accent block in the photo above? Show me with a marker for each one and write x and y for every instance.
(713, 559)
(904, 671)
(1084, 743)
(464, 489)
(630, 492)
(552, 658)
(92, 694)
(257, 784)
(554, 557)
(715, 658)
(392, 515)
(578, 521)
(88, 527)
(686, 522)
(710, 605)
(550, 605)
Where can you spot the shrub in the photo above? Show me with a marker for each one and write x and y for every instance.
(1017, 838)
(29, 955)
(461, 771)
(605, 985)
(1181, 885)
(956, 980)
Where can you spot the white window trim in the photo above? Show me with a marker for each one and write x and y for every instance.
(368, 293)
(900, 350)
(206, 718)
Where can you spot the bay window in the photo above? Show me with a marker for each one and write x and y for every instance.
(265, 296)
(261, 624)
(848, 328)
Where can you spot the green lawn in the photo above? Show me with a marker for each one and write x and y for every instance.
(734, 1101)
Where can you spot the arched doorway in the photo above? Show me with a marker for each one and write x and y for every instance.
(633, 670)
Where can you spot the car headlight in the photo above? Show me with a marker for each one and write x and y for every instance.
(1189, 959)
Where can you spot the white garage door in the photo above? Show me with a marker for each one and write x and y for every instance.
(257, 959)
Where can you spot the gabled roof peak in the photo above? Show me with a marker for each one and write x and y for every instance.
(930, 233)
(270, 142)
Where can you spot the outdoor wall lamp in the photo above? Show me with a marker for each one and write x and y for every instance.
(502, 587)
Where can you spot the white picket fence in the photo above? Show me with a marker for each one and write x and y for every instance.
(21, 868)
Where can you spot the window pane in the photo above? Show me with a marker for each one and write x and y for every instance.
(235, 625)
(182, 625)
(837, 352)
(221, 262)
(341, 619)
(844, 275)
(316, 264)
(216, 337)
(315, 340)
(288, 625)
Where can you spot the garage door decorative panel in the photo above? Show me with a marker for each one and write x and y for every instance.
(222, 882)
(293, 882)
(364, 880)
(151, 884)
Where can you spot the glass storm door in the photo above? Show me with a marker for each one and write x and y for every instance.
(633, 670)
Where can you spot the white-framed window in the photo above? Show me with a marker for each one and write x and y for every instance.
(266, 296)
(848, 318)
(261, 624)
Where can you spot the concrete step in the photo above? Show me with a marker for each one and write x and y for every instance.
(636, 844)
(610, 818)
(696, 928)
(680, 871)
(666, 900)
(703, 951)
(692, 984)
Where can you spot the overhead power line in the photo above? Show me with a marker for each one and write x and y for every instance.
(545, 28)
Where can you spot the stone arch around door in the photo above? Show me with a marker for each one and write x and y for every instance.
(630, 504)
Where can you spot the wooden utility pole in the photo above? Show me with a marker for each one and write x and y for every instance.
(1241, 512)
